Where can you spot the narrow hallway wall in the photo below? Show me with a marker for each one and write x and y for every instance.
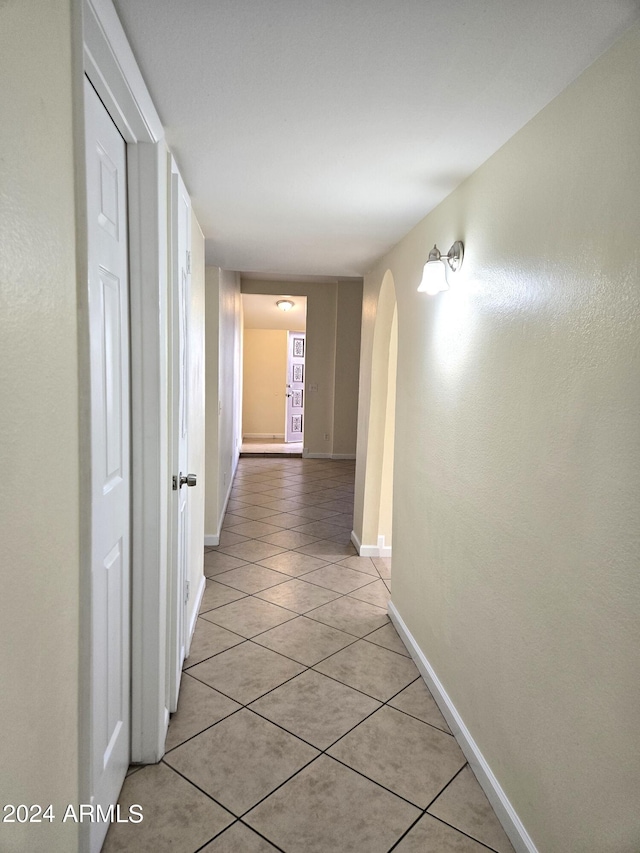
(376, 420)
(42, 341)
(517, 455)
(223, 383)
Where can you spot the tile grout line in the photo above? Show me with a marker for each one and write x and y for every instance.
(298, 615)
(247, 706)
(355, 638)
(456, 828)
(321, 752)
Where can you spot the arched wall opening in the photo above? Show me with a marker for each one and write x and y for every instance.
(374, 537)
(385, 516)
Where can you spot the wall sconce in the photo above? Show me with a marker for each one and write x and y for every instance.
(434, 277)
(285, 304)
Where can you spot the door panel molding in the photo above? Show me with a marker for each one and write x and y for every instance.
(110, 470)
(294, 416)
(178, 574)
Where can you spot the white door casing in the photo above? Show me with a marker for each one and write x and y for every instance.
(180, 301)
(294, 426)
(111, 67)
(110, 456)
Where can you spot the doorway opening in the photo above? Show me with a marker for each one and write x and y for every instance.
(373, 516)
(274, 349)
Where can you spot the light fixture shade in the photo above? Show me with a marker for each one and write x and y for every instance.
(434, 279)
(285, 304)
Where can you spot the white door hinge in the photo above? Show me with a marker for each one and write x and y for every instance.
(188, 261)
(187, 591)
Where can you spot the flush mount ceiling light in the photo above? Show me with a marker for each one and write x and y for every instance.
(285, 304)
(434, 278)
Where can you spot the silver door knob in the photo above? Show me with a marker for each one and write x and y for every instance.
(189, 480)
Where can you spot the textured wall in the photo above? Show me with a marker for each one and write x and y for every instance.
(517, 459)
(230, 388)
(39, 605)
(373, 465)
(212, 345)
(347, 367)
(223, 382)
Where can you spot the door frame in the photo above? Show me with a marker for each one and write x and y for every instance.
(178, 592)
(109, 64)
(290, 382)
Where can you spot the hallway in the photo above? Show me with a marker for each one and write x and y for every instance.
(303, 725)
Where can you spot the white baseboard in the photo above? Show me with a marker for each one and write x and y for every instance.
(226, 499)
(356, 542)
(384, 550)
(505, 812)
(379, 550)
(261, 435)
(211, 539)
(194, 616)
(308, 455)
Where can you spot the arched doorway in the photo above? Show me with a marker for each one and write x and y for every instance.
(374, 506)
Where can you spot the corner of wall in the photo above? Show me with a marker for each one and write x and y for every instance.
(212, 346)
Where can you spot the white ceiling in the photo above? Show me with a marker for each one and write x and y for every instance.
(313, 135)
(260, 312)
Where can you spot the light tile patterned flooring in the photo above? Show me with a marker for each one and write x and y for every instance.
(303, 725)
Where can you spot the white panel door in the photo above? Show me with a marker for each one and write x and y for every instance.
(179, 591)
(294, 430)
(110, 456)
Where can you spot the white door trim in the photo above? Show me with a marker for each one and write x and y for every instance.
(178, 574)
(110, 65)
(112, 68)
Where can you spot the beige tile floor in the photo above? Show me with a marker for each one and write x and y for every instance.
(303, 725)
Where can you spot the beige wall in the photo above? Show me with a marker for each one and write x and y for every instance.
(264, 381)
(371, 508)
(347, 367)
(39, 605)
(223, 384)
(517, 457)
(230, 389)
(212, 346)
(331, 363)
(196, 398)
(385, 515)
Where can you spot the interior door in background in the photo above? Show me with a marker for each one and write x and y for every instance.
(110, 457)
(179, 591)
(294, 426)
